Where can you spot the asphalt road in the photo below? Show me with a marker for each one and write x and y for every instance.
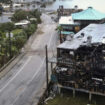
(25, 83)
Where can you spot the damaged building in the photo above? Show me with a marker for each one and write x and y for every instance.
(79, 20)
(81, 60)
(67, 11)
(68, 27)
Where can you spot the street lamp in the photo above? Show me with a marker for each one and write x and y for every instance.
(9, 36)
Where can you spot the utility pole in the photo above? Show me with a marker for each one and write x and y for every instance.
(46, 68)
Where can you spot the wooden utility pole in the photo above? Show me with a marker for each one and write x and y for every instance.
(46, 68)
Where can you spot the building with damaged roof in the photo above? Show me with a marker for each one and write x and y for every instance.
(81, 60)
(68, 27)
(79, 20)
(95, 31)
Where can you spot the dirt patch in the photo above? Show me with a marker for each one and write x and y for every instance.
(40, 32)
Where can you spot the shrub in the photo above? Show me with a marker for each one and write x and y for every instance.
(9, 26)
(33, 22)
(19, 15)
(30, 29)
(20, 39)
(39, 20)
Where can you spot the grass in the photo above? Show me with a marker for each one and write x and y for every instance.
(16, 31)
(67, 100)
(80, 99)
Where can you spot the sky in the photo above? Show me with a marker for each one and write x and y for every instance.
(97, 4)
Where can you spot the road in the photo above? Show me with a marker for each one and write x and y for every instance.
(25, 82)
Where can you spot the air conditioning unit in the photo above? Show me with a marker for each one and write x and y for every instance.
(69, 37)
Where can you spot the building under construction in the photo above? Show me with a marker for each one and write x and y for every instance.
(81, 60)
(66, 11)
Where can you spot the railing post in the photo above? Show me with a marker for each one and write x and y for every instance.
(73, 93)
(90, 97)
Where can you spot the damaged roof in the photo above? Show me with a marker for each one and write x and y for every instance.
(95, 31)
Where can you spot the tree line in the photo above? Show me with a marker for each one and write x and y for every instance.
(13, 38)
(5, 1)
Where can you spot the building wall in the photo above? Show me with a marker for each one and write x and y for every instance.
(66, 12)
(84, 23)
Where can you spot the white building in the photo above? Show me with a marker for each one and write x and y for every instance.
(18, 1)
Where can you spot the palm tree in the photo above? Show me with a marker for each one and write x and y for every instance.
(59, 29)
(9, 27)
(3, 53)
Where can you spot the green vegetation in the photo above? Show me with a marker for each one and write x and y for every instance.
(10, 44)
(20, 39)
(19, 15)
(7, 27)
(22, 15)
(17, 31)
(67, 100)
(80, 99)
(59, 29)
(30, 29)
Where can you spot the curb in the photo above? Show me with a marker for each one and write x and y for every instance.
(4, 71)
